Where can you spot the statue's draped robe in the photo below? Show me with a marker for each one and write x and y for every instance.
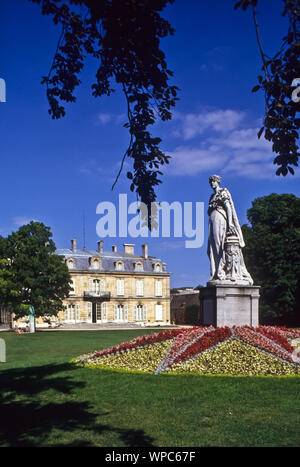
(218, 226)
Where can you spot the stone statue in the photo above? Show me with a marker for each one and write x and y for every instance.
(225, 240)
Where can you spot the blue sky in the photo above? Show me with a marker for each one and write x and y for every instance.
(54, 171)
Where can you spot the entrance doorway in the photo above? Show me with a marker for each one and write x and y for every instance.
(96, 312)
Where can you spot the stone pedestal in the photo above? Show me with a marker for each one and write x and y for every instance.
(229, 305)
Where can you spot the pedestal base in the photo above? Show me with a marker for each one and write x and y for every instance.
(228, 305)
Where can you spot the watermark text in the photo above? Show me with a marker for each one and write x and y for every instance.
(2, 351)
(176, 219)
(296, 92)
(2, 90)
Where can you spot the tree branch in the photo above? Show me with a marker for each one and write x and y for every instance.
(259, 43)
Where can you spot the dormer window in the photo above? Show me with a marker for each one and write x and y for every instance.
(95, 262)
(157, 267)
(119, 266)
(70, 263)
(138, 267)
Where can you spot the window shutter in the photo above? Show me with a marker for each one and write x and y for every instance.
(77, 312)
(144, 312)
(91, 285)
(104, 313)
(158, 288)
(120, 287)
(125, 312)
(116, 312)
(139, 288)
(102, 286)
(89, 311)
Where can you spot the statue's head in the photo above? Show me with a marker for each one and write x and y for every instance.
(214, 178)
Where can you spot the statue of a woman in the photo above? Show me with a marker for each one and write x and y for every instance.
(225, 239)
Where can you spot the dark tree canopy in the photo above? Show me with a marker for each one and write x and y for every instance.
(281, 125)
(30, 273)
(124, 36)
(272, 256)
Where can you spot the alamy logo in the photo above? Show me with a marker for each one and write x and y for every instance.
(296, 92)
(2, 351)
(2, 90)
(175, 219)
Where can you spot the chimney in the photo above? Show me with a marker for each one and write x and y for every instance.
(129, 248)
(100, 246)
(145, 250)
(114, 248)
(73, 245)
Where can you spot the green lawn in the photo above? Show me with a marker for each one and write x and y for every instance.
(46, 401)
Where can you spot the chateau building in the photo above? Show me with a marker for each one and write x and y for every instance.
(116, 286)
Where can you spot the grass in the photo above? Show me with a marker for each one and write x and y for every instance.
(46, 401)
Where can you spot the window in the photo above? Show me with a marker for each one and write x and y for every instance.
(158, 288)
(141, 312)
(158, 312)
(103, 311)
(71, 263)
(96, 286)
(98, 312)
(139, 288)
(119, 266)
(77, 312)
(121, 312)
(72, 313)
(89, 312)
(157, 267)
(95, 262)
(138, 267)
(120, 287)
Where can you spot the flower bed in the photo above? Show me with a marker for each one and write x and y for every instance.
(234, 357)
(143, 359)
(222, 350)
(137, 343)
(269, 340)
(191, 343)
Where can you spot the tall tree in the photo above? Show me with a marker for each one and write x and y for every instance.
(31, 275)
(272, 255)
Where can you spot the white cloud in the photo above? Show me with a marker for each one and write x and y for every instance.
(221, 144)
(103, 118)
(22, 220)
(192, 161)
(192, 124)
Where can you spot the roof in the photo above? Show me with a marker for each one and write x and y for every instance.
(108, 259)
